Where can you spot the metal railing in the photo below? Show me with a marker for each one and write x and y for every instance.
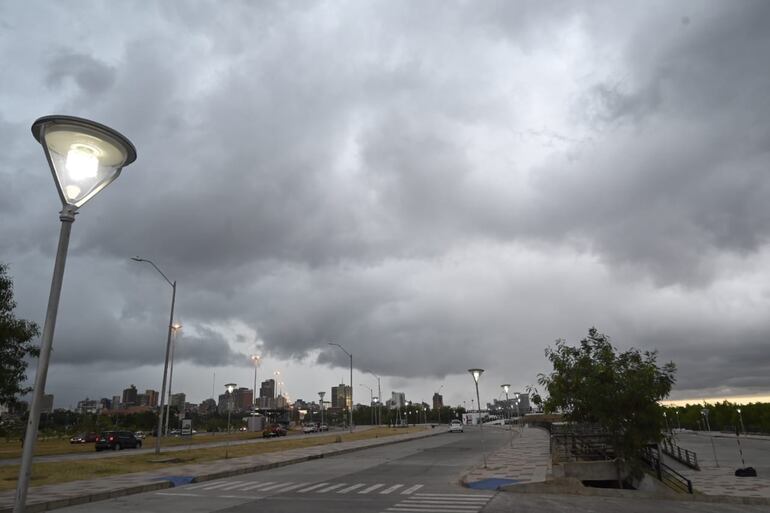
(683, 456)
(664, 473)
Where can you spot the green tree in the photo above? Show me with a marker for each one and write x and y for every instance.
(619, 391)
(15, 344)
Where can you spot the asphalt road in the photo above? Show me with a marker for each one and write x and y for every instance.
(756, 452)
(419, 475)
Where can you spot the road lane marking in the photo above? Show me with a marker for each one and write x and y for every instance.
(257, 485)
(393, 488)
(180, 494)
(273, 487)
(431, 510)
(311, 488)
(292, 487)
(233, 486)
(220, 485)
(330, 488)
(351, 488)
(372, 488)
(411, 489)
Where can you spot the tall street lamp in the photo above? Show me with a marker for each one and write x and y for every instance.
(505, 388)
(740, 416)
(321, 397)
(351, 381)
(175, 328)
(371, 400)
(476, 373)
(229, 387)
(84, 157)
(255, 358)
(379, 396)
(168, 348)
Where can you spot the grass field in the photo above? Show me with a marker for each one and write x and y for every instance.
(75, 470)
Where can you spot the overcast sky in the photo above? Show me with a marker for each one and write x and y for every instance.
(434, 185)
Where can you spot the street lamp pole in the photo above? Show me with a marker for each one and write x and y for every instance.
(351, 381)
(371, 401)
(175, 327)
(476, 373)
(379, 395)
(168, 349)
(84, 158)
(505, 388)
(229, 387)
(321, 395)
(740, 416)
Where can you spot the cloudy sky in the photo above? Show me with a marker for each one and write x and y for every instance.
(434, 185)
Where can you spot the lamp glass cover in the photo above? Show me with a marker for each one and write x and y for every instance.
(84, 160)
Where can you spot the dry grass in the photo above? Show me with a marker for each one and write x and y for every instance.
(12, 448)
(75, 470)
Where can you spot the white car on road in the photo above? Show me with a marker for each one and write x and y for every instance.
(455, 426)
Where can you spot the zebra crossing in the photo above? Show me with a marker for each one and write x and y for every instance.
(277, 487)
(440, 503)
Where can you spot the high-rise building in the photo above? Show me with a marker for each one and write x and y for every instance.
(245, 398)
(397, 400)
(267, 390)
(130, 397)
(115, 403)
(342, 396)
(152, 398)
(438, 401)
(178, 400)
(88, 406)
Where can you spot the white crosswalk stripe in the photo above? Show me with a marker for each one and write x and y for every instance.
(311, 488)
(440, 503)
(393, 488)
(330, 488)
(351, 488)
(372, 488)
(291, 487)
(219, 485)
(256, 486)
(411, 489)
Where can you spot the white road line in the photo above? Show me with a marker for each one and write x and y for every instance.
(180, 494)
(311, 488)
(197, 485)
(426, 510)
(245, 497)
(447, 506)
(351, 488)
(233, 486)
(273, 487)
(449, 501)
(453, 495)
(292, 487)
(411, 489)
(257, 485)
(391, 489)
(330, 488)
(372, 488)
(220, 485)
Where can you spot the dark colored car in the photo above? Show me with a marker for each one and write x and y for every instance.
(273, 430)
(117, 440)
(84, 438)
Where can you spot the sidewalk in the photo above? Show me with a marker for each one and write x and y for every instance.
(43, 498)
(528, 460)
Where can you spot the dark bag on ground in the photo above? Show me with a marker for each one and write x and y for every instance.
(746, 472)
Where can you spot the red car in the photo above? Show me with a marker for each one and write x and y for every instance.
(84, 438)
(273, 430)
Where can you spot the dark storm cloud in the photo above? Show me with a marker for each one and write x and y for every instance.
(427, 184)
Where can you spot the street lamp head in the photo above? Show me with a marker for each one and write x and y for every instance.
(176, 326)
(137, 259)
(506, 387)
(255, 358)
(476, 373)
(84, 156)
(739, 410)
(230, 387)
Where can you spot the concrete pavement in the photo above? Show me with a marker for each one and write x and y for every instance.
(48, 497)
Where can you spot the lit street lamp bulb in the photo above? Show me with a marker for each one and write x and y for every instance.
(81, 162)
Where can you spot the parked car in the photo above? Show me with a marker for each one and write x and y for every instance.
(84, 438)
(273, 430)
(455, 426)
(323, 427)
(310, 428)
(117, 440)
(140, 435)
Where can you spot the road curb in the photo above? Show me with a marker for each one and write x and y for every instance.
(161, 482)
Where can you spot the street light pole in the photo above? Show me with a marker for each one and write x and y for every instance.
(505, 388)
(740, 416)
(379, 395)
(476, 373)
(229, 387)
(84, 158)
(175, 327)
(168, 349)
(351, 381)
(321, 395)
(371, 401)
